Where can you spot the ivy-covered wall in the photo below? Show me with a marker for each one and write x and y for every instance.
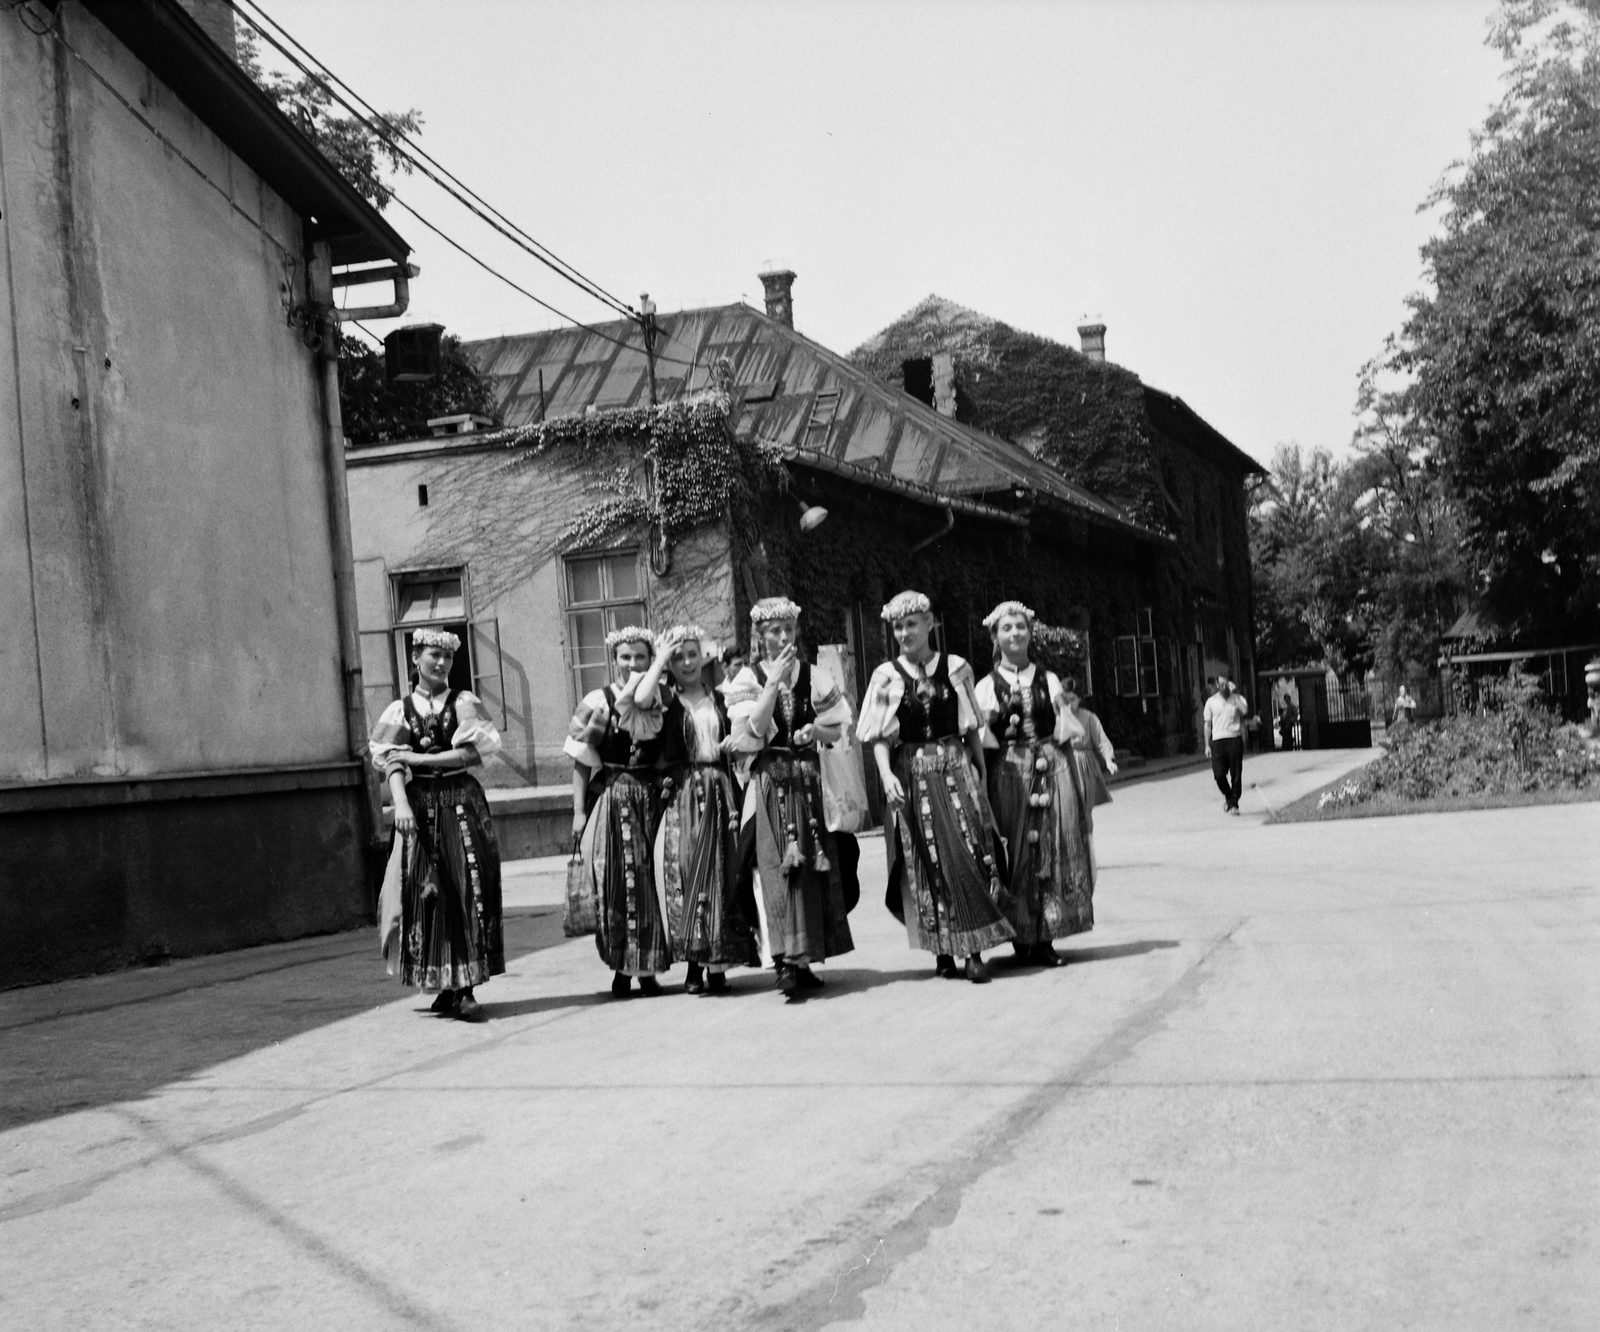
(1093, 421)
(1070, 574)
(1083, 416)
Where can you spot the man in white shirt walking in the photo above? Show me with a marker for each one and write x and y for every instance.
(1224, 717)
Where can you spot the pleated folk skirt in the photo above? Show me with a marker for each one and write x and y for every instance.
(630, 915)
(1039, 803)
(799, 895)
(946, 863)
(450, 929)
(697, 864)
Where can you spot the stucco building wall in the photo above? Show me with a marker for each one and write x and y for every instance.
(175, 773)
(166, 539)
(503, 528)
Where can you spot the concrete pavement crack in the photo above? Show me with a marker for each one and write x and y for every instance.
(837, 1296)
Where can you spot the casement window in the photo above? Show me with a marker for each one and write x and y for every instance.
(1138, 659)
(603, 593)
(1126, 650)
(431, 599)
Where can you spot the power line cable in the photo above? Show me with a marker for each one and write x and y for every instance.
(515, 286)
(411, 152)
(587, 282)
(48, 29)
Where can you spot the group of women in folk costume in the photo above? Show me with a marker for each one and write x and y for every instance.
(656, 812)
(990, 804)
(667, 833)
(439, 916)
(700, 818)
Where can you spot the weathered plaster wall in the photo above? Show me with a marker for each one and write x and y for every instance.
(165, 543)
(504, 527)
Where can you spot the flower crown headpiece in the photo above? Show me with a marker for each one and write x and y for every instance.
(991, 621)
(632, 633)
(435, 638)
(769, 609)
(907, 603)
(691, 633)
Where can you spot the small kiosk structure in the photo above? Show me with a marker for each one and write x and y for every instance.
(1321, 718)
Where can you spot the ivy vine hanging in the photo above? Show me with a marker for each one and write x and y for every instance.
(682, 466)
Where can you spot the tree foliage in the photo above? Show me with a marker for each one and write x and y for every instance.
(1504, 350)
(376, 411)
(360, 151)
(1357, 563)
(1313, 565)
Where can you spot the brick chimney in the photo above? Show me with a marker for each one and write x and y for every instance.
(216, 17)
(1092, 338)
(780, 303)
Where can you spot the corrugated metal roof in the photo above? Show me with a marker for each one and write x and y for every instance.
(807, 399)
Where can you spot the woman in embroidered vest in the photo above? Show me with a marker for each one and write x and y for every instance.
(782, 708)
(449, 936)
(945, 862)
(697, 842)
(615, 746)
(1036, 789)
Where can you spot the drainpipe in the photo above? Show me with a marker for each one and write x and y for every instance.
(320, 281)
(399, 274)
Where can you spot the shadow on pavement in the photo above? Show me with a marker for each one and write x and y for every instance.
(1112, 951)
(132, 1041)
(837, 981)
(551, 1003)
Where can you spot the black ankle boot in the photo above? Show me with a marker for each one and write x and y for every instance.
(696, 983)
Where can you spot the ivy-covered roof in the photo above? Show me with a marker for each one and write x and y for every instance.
(788, 391)
(1091, 420)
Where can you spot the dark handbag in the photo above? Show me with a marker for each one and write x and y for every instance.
(579, 914)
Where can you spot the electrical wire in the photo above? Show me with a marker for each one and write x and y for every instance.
(417, 157)
(584, 281)
(538, 300)
(380, 127)
(49, 29)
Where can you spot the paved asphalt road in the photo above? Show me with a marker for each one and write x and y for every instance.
(1313, 1076)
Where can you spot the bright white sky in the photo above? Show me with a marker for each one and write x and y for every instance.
(1231, 187)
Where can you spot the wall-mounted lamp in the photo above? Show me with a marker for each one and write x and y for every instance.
(812, 516)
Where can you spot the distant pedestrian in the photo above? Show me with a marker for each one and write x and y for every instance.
(1097, 757)
(1288, 719)
(1405, 708)
(447, 918)
(1224, 722)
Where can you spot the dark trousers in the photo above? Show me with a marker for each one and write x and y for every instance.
(1227, 767)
